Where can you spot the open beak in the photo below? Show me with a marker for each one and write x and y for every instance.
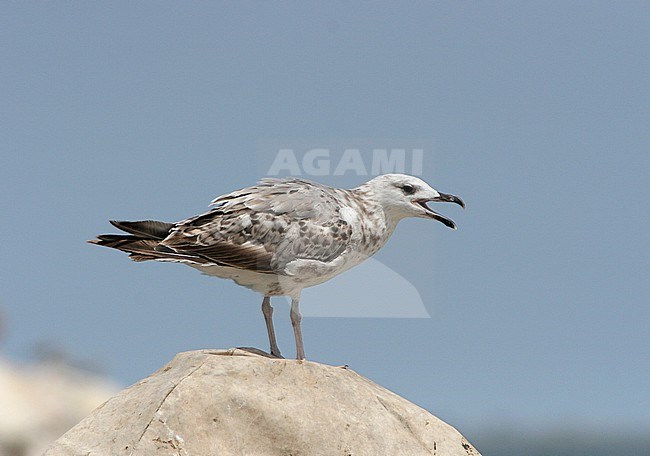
(442, 197)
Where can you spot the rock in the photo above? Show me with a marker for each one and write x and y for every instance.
(242, 401)
(40, 401)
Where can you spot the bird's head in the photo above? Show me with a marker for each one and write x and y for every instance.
(404, 196)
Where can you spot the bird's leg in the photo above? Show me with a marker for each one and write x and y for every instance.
(267, 310)
(295, 322)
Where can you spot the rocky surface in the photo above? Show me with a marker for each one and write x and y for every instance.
(41, 401)
(243, 402)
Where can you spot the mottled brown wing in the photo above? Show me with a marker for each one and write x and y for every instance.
(263, 228)
(297, 198)
(244, 256)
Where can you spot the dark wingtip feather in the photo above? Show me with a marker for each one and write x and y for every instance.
(102, 239)
(149, 228)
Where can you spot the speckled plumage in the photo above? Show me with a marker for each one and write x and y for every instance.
(283, 235)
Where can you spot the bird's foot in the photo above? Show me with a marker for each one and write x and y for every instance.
(276, 355)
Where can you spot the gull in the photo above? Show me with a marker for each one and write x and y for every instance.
(283, 235)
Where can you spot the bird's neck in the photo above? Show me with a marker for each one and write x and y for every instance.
(375, 224)
(374, 209)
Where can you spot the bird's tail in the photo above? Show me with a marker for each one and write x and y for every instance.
(143, 242)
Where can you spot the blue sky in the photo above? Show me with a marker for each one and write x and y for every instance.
(536, 114)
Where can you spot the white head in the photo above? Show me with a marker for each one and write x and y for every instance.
(404, 196)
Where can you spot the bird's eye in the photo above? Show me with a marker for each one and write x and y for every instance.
(408, 189)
